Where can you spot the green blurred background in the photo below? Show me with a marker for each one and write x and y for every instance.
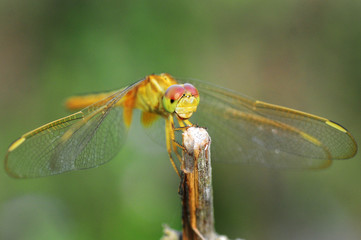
(301, 54)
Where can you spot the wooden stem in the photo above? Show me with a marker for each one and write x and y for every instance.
(196, 186)
(196, 189)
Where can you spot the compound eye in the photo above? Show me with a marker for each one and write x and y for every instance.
(174, 92)
(192, 89)
(172, 96)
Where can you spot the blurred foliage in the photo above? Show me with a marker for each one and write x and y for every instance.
(303, 54)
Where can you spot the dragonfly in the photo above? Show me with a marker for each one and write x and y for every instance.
(243, 130)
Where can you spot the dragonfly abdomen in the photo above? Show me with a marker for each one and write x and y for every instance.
(76, 103)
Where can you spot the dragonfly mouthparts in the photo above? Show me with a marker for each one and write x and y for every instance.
(186, 107)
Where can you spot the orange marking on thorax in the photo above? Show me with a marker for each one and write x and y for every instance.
(148, 118)
(128, 105)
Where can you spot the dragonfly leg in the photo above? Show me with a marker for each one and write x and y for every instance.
(188, 123)
(169, 139)
(179, 145)
(183, 125)
(173, 141)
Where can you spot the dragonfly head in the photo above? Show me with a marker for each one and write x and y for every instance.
(181, 100)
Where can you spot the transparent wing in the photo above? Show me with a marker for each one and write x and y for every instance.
(85, 139)
(255, 132)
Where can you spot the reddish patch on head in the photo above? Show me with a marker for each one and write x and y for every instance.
(175, 92)
(190, 88)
